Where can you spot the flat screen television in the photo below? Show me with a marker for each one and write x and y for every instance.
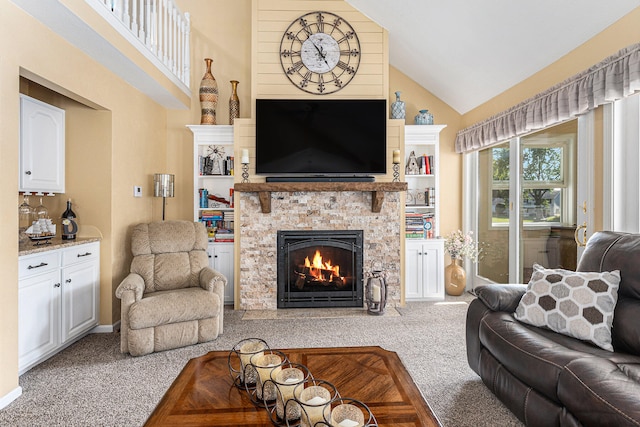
(307, 137)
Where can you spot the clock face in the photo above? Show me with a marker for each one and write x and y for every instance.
(320, 53)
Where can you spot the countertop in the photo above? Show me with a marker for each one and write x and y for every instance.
(27, 247)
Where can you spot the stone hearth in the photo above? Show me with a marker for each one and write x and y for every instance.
(314, 210)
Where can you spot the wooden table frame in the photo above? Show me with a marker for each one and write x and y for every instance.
(204, 394)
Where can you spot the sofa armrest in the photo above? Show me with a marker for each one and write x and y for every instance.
(215, 282)
(501, 297)
(129, 291)
(133, 282)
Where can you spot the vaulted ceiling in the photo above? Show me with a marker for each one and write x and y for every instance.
(466, 52)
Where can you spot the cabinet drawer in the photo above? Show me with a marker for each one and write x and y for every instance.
(80, 253)
(30, 265)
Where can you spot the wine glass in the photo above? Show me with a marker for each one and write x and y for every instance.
(26, 213)
(41, 211)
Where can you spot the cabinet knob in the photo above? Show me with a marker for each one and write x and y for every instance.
(27, 173)
(68, 281)
(215, 256)
(419, 253)
(57, 285)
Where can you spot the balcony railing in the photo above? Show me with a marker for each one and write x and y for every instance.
(155, 27)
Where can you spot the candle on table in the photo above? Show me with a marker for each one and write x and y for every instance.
(245, 156)
(315, 409)
(265, 364)
(396, 156)
(248, 350)
(316, 403)
(286, 380)
(347, 415)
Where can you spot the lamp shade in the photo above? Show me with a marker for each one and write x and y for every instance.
(163, 185)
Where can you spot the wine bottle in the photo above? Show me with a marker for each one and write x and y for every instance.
(69, 225)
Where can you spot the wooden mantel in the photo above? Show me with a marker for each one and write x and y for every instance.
(264, 190)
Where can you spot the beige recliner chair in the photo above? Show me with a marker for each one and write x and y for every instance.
(171, 298)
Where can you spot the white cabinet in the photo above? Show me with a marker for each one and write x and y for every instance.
(221, 260)
(38, 317)
(42, 142)
(424, 275)
(80, 289)
(58, 300)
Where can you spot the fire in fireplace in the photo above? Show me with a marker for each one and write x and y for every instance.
(320, 268)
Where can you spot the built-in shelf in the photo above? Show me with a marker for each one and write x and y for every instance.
(264, 190)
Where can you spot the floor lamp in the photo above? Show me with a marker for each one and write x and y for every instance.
(163, 187)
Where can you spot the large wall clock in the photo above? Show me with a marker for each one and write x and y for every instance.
(320, 53)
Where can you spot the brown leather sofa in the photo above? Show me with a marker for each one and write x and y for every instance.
(549, 379)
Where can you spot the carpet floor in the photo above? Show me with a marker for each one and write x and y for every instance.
(92, 384)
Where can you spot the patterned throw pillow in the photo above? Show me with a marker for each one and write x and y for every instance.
(577, 304)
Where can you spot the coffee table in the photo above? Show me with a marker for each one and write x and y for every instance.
(204, 394)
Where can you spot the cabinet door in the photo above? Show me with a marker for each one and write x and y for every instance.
(413, 274)
(42, 136)
(431, 286)
(80, 287)
(221, 260)
(38, 317)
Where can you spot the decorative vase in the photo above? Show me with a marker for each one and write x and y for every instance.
(234, 102)
(398, 108)
(208, 96)
(455, 278)
(424, 117)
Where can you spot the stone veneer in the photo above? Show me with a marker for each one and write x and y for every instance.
(328, 210)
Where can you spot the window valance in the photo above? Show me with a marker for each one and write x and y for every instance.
(615, 77)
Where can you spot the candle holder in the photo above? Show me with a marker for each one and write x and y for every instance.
(266, 363)
(351, 412)
(286, 381)
(245, 172)
(396, 172)
(314, 398)
(245, 375)
(289, 392)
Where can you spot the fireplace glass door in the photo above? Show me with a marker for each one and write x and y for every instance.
(320, 268)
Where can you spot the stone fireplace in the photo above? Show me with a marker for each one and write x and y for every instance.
(267, 208)
(319, 268)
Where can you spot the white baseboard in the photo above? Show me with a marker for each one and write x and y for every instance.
(10, 397)
(105, 329)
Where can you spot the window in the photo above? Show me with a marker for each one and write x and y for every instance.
(545, 180)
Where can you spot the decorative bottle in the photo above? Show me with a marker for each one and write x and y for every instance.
(397, 108)
(208, 96)
(234, 102)
(69, 224)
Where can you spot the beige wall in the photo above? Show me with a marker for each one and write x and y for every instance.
(109, 150)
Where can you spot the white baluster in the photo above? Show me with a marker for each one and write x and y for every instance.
(126, 18)
(134, 17)
(186, 77)
(142, 20)
(165, 31)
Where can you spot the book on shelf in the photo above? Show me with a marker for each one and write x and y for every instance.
(419, 225)
(209, 166)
